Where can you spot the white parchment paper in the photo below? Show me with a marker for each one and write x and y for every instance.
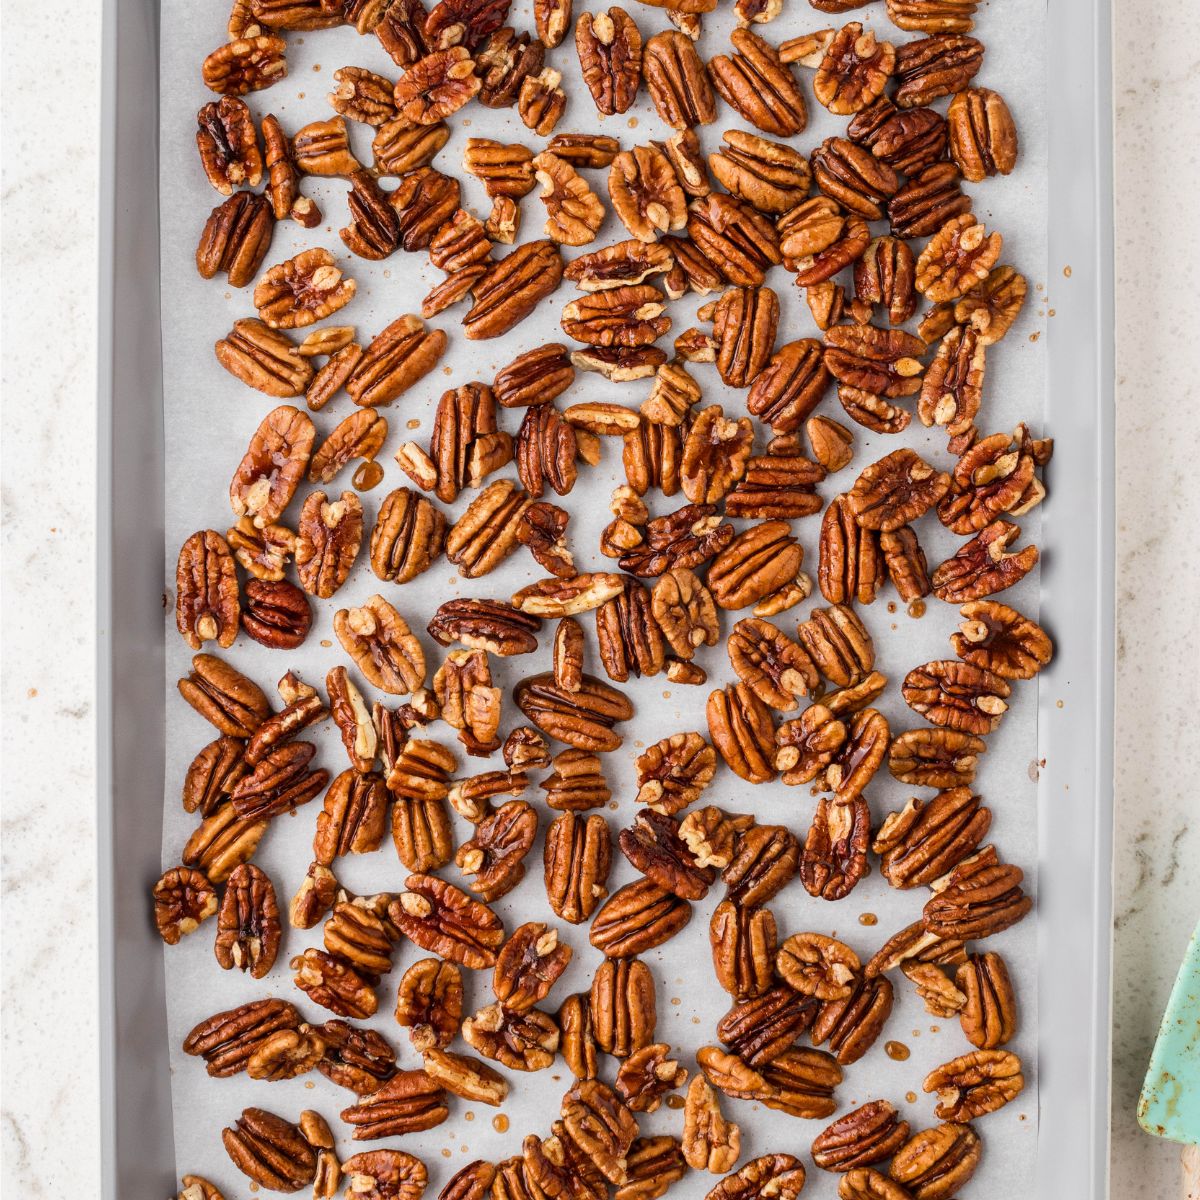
(210, 418)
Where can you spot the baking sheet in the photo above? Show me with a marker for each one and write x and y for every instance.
(209, 418)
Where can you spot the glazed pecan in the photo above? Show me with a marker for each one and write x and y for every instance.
(854, 71)
(553, 19)
(757, 563)
(436, 86)
(592, 151)
(854, 177)
(398, 357)
(248, 929)
(759, 1029)
(274, 463)
(597, 1122)
(504, 170)
(677, 82)
(957, 695)
(495, 856)
(958, 257)
(980, 896)
(468, 700)
(933, 16)
(851, 1025)
(409, 1102)
(541, 101)
(629, 316)
(798, 1082)
(737, 240)
(636, 918)
(283, 178)
(865, 1183)
(385, 1175)
(818, 966)
(938, 758)
(871, 1133)
(779, 1175)
(849, 567)
(645, 193)
(486, 533)
(759, 86)
(983, 138)
(334, 984)
(655, 846)
(743, 948)
(740, 726)
(879, 361)
(245, 65)
(914, 944)
(535, 377)
(838, 643)
(183, 898)
(302, 290)
(546, 451)
(224, 696)
(884, 275)
(952, 388)
(787, 389)
(359, 933)
(213, 774)
(400, 147)
(647, 1075)
(993, 305)
(974, 1084)
(429, 1003)
(227, 1040)
(984, 565)
(610, 58)
(222, 841)
(764, 862)
(379, 640)
(558, 597)
(681, 540)
(315, 896)
(931, 67)
(206, 594)
(505, 64)
(896, 490)
(279, 783)
(466, 1077)
(270, 1151)
(444, 920)
(421, 771)
(578, 852)
(834, 858)
(928, 201)
(744, 324)
(323, 148)
(775, 667)
(574, 212)
(651, 1166)
(421, 829)
(520, 1041)
(631, 642)
(651, 456)
(353, 819)
(935, 1163)
(407, 536)
(771, 176)
(512, 288)
(907, 140)
(583, 719)
(988, 1017)
(710, 1143)
(715, 453)
(926, 839)
(996, 475)
(228, 146)
(236, 238)
(1001, 640)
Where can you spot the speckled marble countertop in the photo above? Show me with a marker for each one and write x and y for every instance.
(49, 221)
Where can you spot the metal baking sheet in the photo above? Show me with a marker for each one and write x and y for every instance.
(1054, 371)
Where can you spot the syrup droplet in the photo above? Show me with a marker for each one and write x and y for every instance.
(469, 1116)
(414, 423)
(445, 1152)
(368, 475)
(891, 606)
(897, 1050)
(500, 1123)
(911, 1097)
(916, 609)
(675, 1102)
(868, 919)
(326, 643)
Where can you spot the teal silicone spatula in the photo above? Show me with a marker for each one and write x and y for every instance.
(1169, 1105)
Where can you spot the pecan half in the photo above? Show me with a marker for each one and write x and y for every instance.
(224, 696)
(769, 662)
(359, 934)
(274, 463)
(583, 719)
(541, 101)
(469, 702)
(535, 377)
(206, 593)
(759, 86)
(521, 1041)
(938, 758)
(710, 1143)
(765, 861)
(466, 1077)
(409, 1102)
(852, 1025)
(988, 1017)
(578, 852)
(787, 389)
(263, 359)
(228, 146)
(444, 920)
(865, 1183)
(981, 896)
(610, 58)
(850, 564)
(574, 212)
(931, 67)
(270, 1151)
(743, 948)
(677, 82)
(896, 490)
(957, 695)
(379, 640)
(236, 238)
(302, 290)
(907, 140)
(651, 455)
(655, 846)
(740, 726)
(984, 566)
(853, 177)
(636, 918)
(673, 772)
(334, 984)
(245, 65)
(183, 898)
(647, 1075)
(757, 563)
(429, 1003)
(645, 193)
(227, 1040)
(248, 929)
(934, 1164)
(651, 1166)
(834, 858)
(280, 783)
(495, 856)
(818, 966)
(992, 306)
(385, 1175)
(737, 240)
(398, 357)
(628, 316)
(512, 288)
(974, 1084)
(1001, 640)
(926, 839)
(854, 71)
